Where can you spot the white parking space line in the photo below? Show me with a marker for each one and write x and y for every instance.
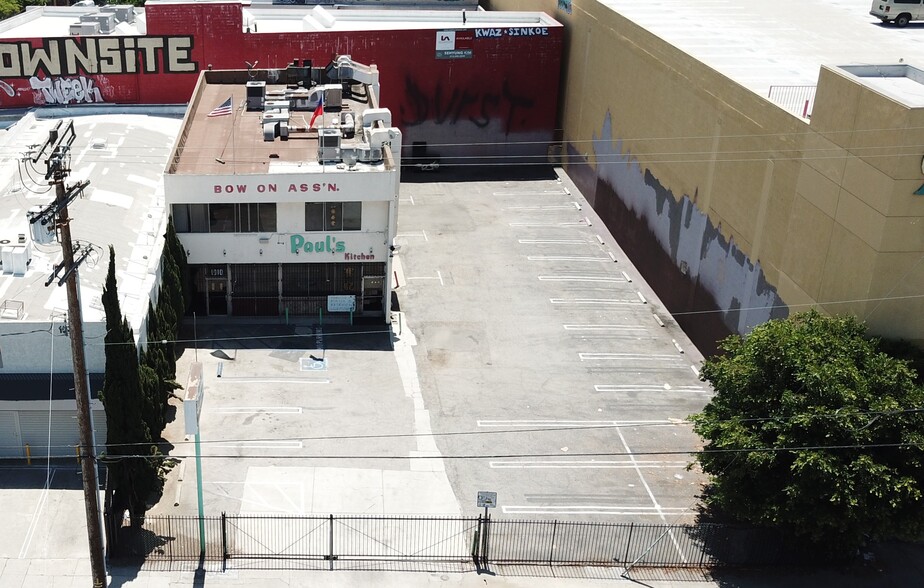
(552, 242)
(260, 409)
(539, 423)
(246, 380)
(603, 327)
(580, 223)
(415, 234)
(534, 193)
(660, 511)
(627, 356)
(609, 279)
(263, 444)
(566, 258)
(585, 464)
(410, 199)
(648, 388)
(592, 301)
(540, 208)
(596, 509)
(438, 276)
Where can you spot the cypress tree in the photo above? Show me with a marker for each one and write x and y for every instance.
(133, 478)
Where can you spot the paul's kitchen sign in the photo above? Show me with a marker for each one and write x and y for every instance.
(329, 244)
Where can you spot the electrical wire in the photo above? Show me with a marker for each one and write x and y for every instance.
(876, 414)
(469, 457)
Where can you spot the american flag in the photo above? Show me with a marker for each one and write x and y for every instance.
(223, 109)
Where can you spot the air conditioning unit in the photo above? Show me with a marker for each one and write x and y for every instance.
(123, 12)
(328, 145)
(16, 258)
(85, 28)
(256, 93)
(107, 22)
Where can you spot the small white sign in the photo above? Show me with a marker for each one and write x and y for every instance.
(192, 400)
(445, 40)
(341, 303)
(487, 499)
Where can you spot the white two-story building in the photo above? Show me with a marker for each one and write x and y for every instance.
(283, 186)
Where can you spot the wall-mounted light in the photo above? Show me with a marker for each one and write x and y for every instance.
(261, 251)
(370, 251)
(224, 252)
(188, 253)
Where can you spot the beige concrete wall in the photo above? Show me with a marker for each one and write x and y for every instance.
(804, 213)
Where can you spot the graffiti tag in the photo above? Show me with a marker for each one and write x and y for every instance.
(478, 106)
(66, 90)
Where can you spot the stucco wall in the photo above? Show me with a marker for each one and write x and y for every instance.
(724, 200)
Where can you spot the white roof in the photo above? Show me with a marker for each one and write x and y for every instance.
(123, 156)
(761, 43)
(51, 21)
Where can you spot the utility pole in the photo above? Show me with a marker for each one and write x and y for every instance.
(58, 169)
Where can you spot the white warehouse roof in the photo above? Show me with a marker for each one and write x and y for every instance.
(762, 43)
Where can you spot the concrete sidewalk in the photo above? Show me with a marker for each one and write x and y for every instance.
(67, 573)
(889, 565)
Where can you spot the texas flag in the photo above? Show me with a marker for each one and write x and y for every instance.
(319, 111)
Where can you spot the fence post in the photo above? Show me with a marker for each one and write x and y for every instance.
(629, 542)
(224, 541)
(485, 541)
(331, 555)
(476, 542)
(552, 544)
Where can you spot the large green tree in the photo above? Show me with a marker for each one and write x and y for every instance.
(133, 476)
(813, 430)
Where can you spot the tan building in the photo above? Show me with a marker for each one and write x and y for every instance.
(730, 195)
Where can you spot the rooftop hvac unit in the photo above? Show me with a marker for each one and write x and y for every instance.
(85, 28)
(123, 12)
(275, 124)
(43, 232)
(107, 22)
(275, 106)
(328, 145)
(333, 98)
(256, 92)
(371, 115)
(15, 258)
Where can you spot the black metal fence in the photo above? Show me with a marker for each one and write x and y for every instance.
(380, 542)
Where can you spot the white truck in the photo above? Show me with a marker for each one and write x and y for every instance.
(901, 12)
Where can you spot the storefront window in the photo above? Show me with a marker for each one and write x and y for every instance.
(333, 216)
(225, 218)
(221, 218)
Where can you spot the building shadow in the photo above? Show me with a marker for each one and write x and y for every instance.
(222, 338)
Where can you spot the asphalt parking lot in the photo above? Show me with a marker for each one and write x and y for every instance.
(541, 355)
(525, 357)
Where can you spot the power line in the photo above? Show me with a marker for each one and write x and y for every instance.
(470, 457)
(616, 425)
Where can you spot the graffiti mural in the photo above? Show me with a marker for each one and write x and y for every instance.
(478, 106)
(712, 266)
(66, 90)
